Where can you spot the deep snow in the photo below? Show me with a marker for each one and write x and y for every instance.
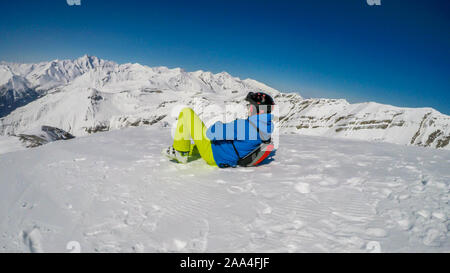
(115, 192)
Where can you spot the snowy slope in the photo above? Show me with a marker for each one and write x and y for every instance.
(10, 144)
(89, 95)
(114, 192)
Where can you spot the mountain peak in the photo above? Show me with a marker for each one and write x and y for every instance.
(86, 59)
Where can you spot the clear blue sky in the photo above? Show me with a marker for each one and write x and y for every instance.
(397, 53)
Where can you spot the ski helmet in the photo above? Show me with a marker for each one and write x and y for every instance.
(259, 99)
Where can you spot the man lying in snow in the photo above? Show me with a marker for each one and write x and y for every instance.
(244, 142)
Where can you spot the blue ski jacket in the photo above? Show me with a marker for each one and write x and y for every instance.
(243, 133)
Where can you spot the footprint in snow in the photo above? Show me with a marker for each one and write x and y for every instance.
(200, 243)
(235, 189)
(138, 248)
(354, 181)
(179, 244)
(287, 227)
(79, 159)
(439, 215)
(141, 161)
(32, 240)
(424, 213)
(433, 237)
(328, 181)
(265, 209)
(302, 187)
(376, 232)
(405, 224)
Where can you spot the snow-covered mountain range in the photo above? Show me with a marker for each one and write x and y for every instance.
(89, 95)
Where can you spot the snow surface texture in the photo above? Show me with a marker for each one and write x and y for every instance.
(115, 192)
(90, 95)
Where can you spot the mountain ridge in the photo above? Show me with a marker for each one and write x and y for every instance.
(88, 95)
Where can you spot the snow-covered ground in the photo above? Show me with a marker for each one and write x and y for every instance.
(115, 192)
(10, 144)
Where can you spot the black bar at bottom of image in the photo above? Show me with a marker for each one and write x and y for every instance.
(224, 262)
